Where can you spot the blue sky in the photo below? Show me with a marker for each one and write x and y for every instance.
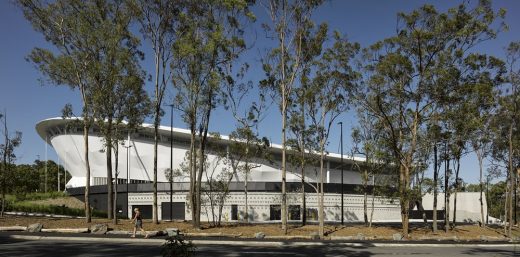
(26, 101)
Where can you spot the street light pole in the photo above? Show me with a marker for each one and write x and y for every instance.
(46, 161)
(171, 163)
(59, 187)
(115, 184)
(341, 140)
(64, 170)
(127, 170)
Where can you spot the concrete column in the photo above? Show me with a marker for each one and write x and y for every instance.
(328, 172)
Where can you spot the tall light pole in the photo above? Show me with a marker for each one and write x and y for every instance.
(38, 170)
(59, 188)
(127, 169)
(115, 184)
(64, 170)
(171, 163)
(341, 140)
(46, 161)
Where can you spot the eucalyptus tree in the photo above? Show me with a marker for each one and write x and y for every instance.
(299, 142)
(408, 72)
(330, 87)
(8, 156)
(158, 21)
(474, 100)
(513, 105)
(506, 140)
(209, 40)
(216, 188)
(80, 32)
(246, 147)
(366, 141)
(290, 22)
(119, 94)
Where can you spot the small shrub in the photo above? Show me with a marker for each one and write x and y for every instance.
(177, 246)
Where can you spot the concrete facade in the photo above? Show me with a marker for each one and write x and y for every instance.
(264, 196)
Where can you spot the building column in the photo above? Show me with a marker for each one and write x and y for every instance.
(328, 172)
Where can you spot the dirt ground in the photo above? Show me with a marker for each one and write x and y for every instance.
(70, 202)
(378, 231)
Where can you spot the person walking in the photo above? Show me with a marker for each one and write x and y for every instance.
(138, 221)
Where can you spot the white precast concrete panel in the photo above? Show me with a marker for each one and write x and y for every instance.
(69, 147)
(468, 205)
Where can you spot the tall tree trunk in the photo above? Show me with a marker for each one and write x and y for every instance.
(304, 201)
(284, 116)
(198, 189)
(372, 206)
(511, 180)
(192, 168)
(435, 182)
(456, 191)
(302, 164)
(506, 204)
(246, 216)
(446, 192)
(420, 208)
(155, 218)
(302, 161)
(203, 136)
(246, 178)
(88, 215)
(4, 164)
(108, 154)
(404, 178)
(116, 182)
(481, 184)
(284, 172)
(157, 113)
(321, 212)
(365, 197)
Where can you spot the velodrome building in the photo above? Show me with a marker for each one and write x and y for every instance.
(135, 174)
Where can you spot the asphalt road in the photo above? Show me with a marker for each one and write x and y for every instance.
(39, 248)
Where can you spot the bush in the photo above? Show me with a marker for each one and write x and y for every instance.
(176, 246)
(50, 209)
(40, 196)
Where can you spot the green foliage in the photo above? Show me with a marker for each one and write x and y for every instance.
(50, 209)
(472, 188)
(424, 73)
(41, 196)
(27, 178)
(209, 40)
(176, 246)
(496, 198)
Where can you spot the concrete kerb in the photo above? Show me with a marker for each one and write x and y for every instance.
(269, 240)
(258, 243)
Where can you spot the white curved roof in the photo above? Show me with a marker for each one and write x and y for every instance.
(179, 133)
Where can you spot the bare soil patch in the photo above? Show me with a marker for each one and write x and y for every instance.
(70, 202)
(377, 231)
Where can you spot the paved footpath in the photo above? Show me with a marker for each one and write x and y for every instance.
(53, 244)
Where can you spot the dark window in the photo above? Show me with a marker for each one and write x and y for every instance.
(275, 212)
(312, 214)
(234, 212)
(178, 210)
(294, 212)
(146, 211)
